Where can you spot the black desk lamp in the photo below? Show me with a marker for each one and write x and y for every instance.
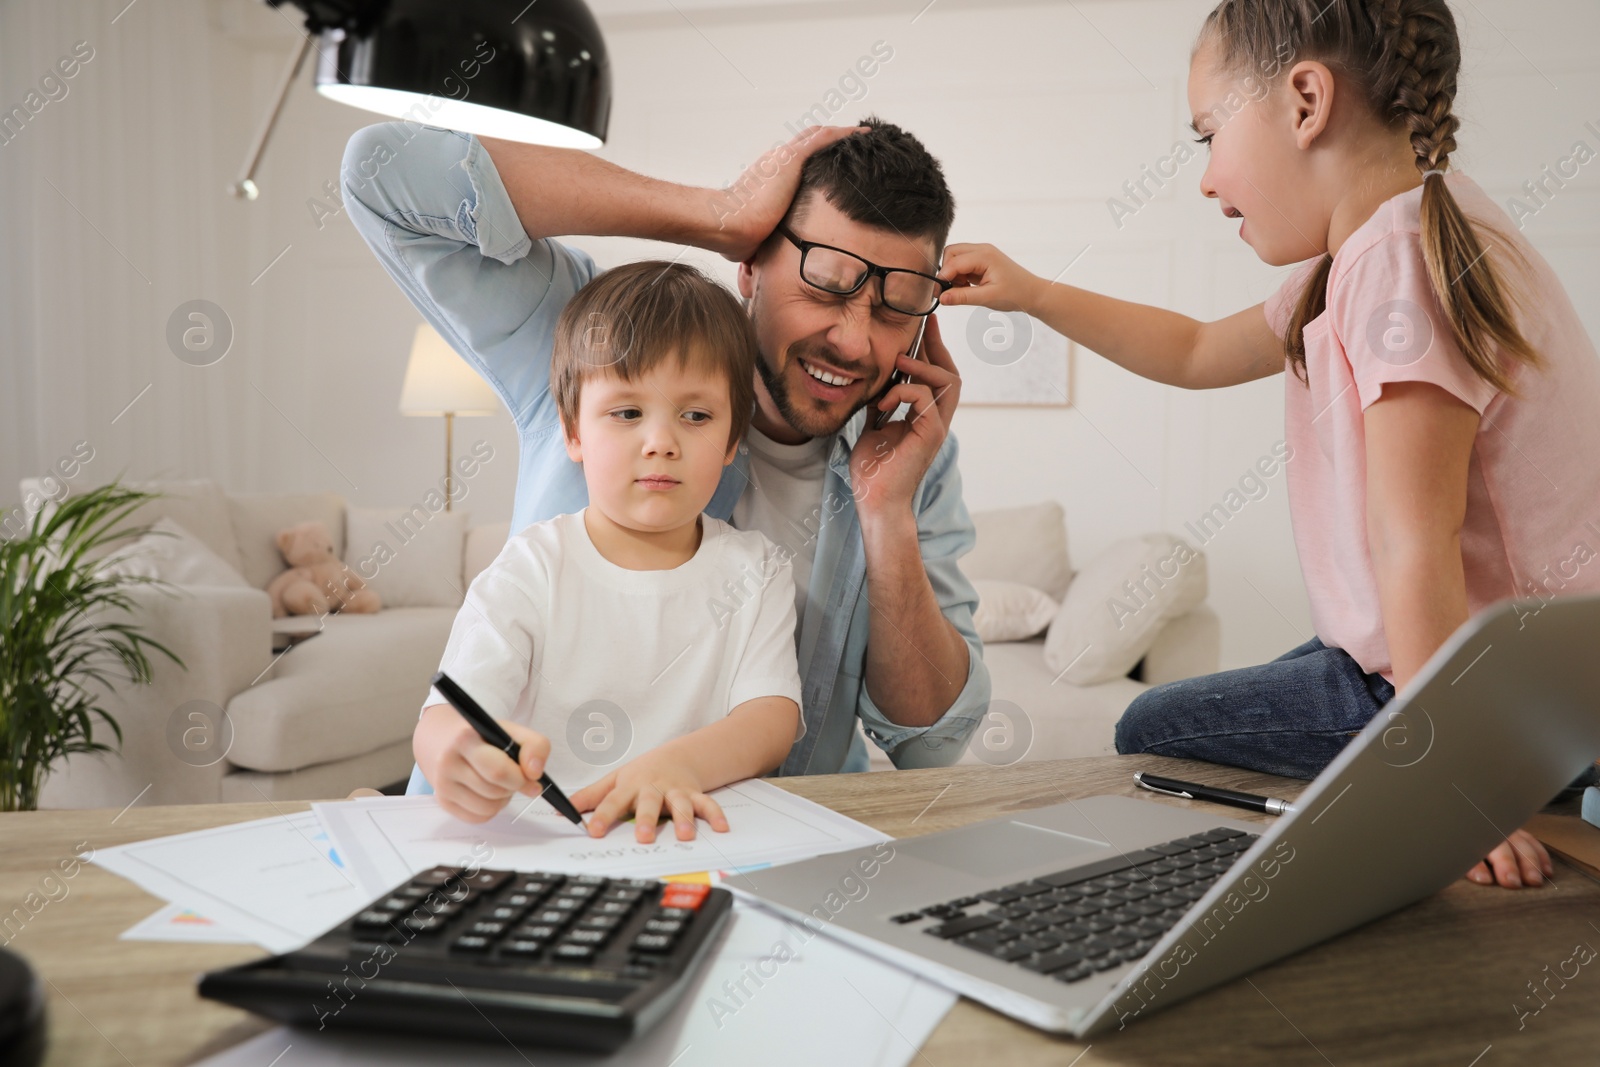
(519, 70)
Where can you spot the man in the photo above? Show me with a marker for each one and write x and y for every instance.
(873, 518)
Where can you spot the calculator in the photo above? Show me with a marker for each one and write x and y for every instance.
(560, 960)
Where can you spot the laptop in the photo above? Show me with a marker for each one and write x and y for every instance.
(1086, 916)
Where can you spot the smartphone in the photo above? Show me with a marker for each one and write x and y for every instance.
(881, 417)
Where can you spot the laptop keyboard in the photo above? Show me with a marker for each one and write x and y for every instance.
(1070, 924)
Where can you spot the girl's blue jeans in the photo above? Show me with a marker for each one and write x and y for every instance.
(1288, 717)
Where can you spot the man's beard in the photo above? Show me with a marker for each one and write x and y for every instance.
(802, 416)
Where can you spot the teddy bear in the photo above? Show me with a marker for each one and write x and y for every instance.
(317, 582)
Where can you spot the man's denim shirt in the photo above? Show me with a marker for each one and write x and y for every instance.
(431, 205)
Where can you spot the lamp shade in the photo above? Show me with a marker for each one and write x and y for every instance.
(533, 72)
(439, 382)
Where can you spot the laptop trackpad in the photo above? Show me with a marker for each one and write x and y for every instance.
(994, 851)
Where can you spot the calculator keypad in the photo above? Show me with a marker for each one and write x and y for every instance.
(541, 917)
(577, 961)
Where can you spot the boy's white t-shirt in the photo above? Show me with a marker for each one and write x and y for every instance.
(610, 663)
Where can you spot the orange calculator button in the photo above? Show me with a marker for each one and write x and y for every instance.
(679, 895)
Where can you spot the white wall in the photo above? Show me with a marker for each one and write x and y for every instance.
(1039, 111)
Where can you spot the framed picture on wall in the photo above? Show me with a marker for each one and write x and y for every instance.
(1007, 358)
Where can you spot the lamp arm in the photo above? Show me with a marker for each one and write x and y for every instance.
(348, 15)
(245, 187)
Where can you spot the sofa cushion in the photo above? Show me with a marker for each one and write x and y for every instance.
(1187, 647)
(1119, 603)
(410, 557)
(1027, 545)
(1035, 715)
(1030, 705)
(195, 504)
(353, 688)
(257, 518)
(1011, 611)
(382, 766)
(172, 554)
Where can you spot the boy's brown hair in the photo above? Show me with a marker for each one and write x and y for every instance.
(631, 318)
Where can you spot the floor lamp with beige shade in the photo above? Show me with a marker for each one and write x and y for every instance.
(439, 382)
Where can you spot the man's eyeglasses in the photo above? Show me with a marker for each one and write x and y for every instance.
(833, 270)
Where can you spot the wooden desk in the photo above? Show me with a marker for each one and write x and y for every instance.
(1433, 984)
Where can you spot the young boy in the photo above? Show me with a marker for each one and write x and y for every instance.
(608, 633)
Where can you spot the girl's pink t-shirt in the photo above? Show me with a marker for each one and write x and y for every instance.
(1532, 524)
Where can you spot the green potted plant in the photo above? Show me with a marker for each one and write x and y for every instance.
(63, 625)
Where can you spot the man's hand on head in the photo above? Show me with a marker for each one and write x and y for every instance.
(888, 464)
(745, 213)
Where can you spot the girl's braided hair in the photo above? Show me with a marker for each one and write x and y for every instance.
(1404, 56)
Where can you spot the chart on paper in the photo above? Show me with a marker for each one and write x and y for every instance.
(278, 881)
(387, 839)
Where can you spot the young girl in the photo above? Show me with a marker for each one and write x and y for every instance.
(1443, 400)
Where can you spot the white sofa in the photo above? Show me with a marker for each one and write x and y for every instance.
(336, 710)
(1037, 710)
(331, 712)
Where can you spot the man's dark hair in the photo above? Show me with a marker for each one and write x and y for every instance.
(883, 178)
